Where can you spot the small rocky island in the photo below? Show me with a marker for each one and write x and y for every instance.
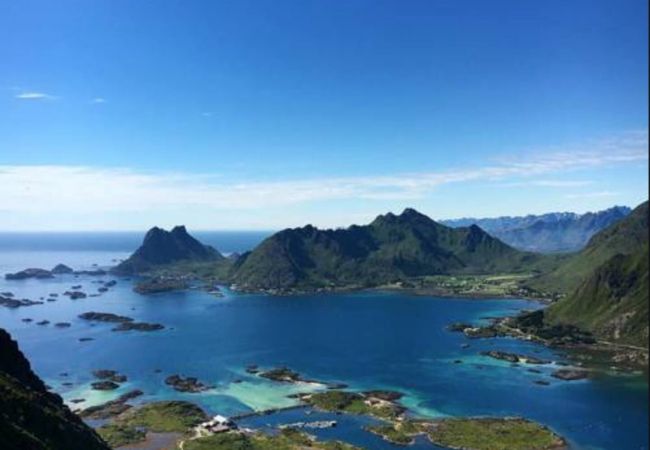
(160, 284)
(11, 302)
(124, 323)
(188, 384)
(29, 273)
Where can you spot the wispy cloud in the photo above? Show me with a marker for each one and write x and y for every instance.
(599, 194)
(98, 100)
(549, 183)
(34, 96)
(42, 189)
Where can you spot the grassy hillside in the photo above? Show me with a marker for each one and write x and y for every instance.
(612, 303)
(623, 238)
(391, 248)
(30, 416)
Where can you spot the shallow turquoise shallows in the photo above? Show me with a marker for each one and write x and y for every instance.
(369, 340)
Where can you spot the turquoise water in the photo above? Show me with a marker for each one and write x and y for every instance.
(366, 340)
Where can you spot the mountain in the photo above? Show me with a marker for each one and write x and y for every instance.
(607, 284)
(612, 302)
(162, 247)
(547, 233)
(624, 237)
(391, 248)
(30, 416)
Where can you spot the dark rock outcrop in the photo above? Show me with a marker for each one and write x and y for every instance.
(30, 416)
(60, 269)
(188, 384)
(104, 317)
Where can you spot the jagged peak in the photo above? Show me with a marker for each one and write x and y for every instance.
(179, 229)
(407, 215)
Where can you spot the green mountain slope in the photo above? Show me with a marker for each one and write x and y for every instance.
(391, 248)
(612, 303)
(624, 237)
(162, 247)
(31, 418)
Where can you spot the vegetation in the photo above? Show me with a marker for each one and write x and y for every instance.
(612, 303)
(163, 416)
(353, 403)
(30, 416)
(493, 434)
(389, 250)
(608, 284)
(160, 284)
(117, 435)
(473, 433)
(623, 238)
(287, 439)
(162, 247)
(499, 285)
(394, 433)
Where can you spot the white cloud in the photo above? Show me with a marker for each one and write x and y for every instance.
(56, 188)
(599, 194)
(63, 192)
(34, 96)
(98, 100)
(549, 183)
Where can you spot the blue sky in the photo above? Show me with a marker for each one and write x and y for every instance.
(264, 114)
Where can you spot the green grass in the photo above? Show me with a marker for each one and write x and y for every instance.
(480, 285)
(206, 270)
(118, 435)
(493, 434)
(612, 303)
(161, 417)
(624, 237)
(286, 440)
(164, 416)
(351, 403)
(392, 433)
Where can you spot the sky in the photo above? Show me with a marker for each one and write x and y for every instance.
(121, 114)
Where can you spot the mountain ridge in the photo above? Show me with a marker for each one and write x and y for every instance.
(391, 248)
(547, 233)
(607, 284)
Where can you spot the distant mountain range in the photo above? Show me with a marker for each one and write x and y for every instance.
(607, 283)
(30, 416)
(547, 233)
(391, 248)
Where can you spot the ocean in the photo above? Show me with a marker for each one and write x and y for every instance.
(367, 340)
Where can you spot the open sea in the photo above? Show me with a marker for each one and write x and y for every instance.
(368, 340)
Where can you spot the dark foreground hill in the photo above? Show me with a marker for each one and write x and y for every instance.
(391, 248)
(162, 247)
(547, 233)
(31, 418)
